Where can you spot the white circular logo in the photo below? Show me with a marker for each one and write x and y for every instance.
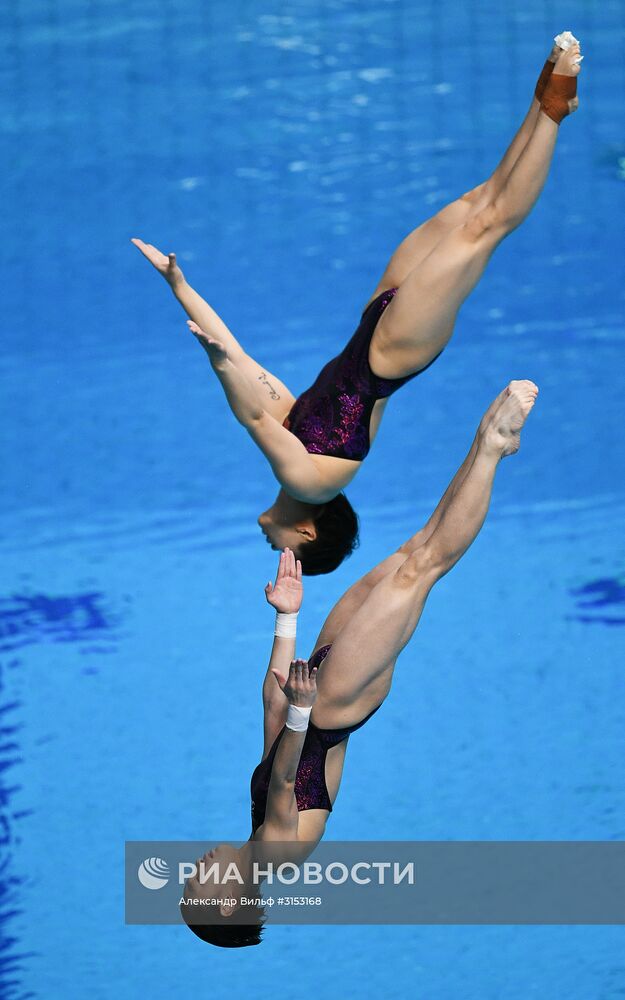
(153, 873)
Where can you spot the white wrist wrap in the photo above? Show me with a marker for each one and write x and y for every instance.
(297, 718)
(286, 625)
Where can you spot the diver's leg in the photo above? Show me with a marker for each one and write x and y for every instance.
(422, 240)
(356, 675)
(352, 599)
(496, 181)
(419, 321)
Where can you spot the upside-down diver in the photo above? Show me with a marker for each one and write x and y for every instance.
(316, 443)
(310, 709)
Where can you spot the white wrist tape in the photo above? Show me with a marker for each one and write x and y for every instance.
(286, 625)
(297, 718)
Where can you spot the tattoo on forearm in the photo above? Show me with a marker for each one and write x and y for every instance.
(272, 392)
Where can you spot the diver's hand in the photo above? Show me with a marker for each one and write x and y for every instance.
(165, 265)
(215, 350)
(300, 687)
(286, 594)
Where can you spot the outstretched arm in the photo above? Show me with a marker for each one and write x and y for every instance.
(193, 304)
(281, 814)
(292, 466)
(270, 391)
(287, 683)
(285, 595)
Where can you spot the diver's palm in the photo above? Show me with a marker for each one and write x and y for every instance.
(286, 593)
(286, 596)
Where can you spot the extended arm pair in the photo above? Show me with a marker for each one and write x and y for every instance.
(239, 374)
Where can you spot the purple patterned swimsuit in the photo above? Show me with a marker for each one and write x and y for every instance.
(333, 416)
(310, 782)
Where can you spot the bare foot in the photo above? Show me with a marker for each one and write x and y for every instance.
(559, 96)
(554, 54)
(503, 430)
(569, 62)
(494, 406)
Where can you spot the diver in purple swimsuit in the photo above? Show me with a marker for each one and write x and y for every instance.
(316, 444)
(311, 709)
(333, 417)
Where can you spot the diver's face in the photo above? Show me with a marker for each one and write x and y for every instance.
(203, 885)
(280, 536)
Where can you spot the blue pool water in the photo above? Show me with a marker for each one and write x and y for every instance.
(283, 152)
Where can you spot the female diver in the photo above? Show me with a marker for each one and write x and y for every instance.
(346, 679)
(315, 444)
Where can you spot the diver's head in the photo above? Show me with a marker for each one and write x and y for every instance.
(222, 911)
(320, 535)
(285, 528)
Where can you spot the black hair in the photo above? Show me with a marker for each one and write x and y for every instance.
(237, 930)
(337, 537)
(229, 935)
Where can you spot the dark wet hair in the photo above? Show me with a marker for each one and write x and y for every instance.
(337, 537)
(229, 935)
(240, 929)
